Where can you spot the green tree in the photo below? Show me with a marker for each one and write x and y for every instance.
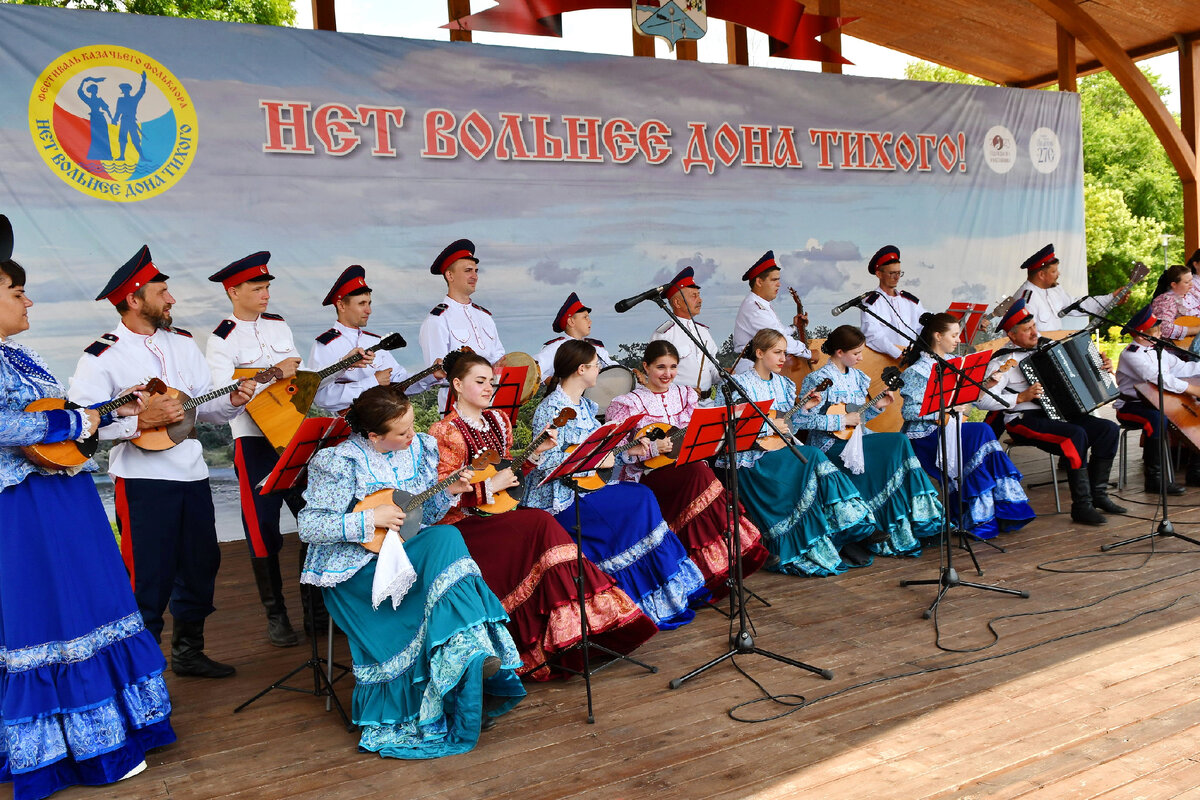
(259, 12)
(1116, 237)
(936, 73)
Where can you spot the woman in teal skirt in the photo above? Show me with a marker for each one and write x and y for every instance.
(810, 515)
(891, 481)
(432, 670)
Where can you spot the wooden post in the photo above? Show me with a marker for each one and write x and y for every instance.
(1067, 61)
(457, 9)
(831, 39)
(686, 50)
(324, 17)
(736, 44)
(1189, 121)
(643, 46)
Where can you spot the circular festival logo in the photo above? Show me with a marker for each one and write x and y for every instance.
(113, 123)
(1045, 150)
(1000, 149)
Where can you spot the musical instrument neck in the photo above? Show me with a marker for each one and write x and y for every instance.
(349, 361)
(412, 379)
(114, 404)
(419, 499)
(801, 328)
(521, 456)
(213, 395)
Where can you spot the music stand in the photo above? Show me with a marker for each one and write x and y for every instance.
(969, 315)
(314, 433)
(953, 381)
(740, 426)
(586, 457)
(507, 397)
(703, 439)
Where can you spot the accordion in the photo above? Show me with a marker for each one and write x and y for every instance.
(1072, 375)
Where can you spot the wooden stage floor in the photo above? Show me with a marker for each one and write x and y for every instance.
(1091, 692)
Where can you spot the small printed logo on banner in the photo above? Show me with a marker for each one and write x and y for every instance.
(1000, 149)
(671, 19)
(113, 123)
(1045, 150)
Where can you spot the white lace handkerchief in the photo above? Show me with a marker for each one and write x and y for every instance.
(394, 573)
(852, 455)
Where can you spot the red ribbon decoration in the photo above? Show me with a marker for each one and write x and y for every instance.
(793, 33)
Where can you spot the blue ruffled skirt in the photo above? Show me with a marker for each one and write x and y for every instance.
(993, 500)
(82, 696)
(806, 511)
(897, 490)
(625, 535)
(418, 669)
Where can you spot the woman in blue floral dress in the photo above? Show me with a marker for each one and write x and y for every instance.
(993, 500)
(82, 696)
(424, 663)
(808, 511)
(891, 481)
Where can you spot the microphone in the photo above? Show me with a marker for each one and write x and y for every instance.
(629, 302)
(1071, 307)
(852, 303)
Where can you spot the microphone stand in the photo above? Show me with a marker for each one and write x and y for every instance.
(948, 577)
(741, 642)
(1165, 527)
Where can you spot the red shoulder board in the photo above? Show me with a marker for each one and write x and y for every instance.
(329, 335)
(908, 296)
(223, 330)
(268, 315)
(552, 341)
(368, 333)
(481, 308)
(182, 332)
(872, 297)
(595, 342)
(438, 310)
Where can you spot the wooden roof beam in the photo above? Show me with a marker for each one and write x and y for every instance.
(1093, 66)
(324, 16)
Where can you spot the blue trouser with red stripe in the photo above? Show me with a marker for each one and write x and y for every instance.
(1140, 414)
(253, 460)
(1073, 440)
(169, 545)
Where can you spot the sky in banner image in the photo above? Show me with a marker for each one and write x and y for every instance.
(570, 171)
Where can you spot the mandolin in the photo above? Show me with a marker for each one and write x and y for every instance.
(64, 455)
(167, 436)
(891, 381)
(510, 498)
(280, 409)
(996, 313)
(598, 479)
(425, 373)
(411, 503)
(772, 442)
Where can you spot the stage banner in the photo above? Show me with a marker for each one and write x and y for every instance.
(570, 171)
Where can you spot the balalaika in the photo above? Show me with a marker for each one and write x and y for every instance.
(1072, 375)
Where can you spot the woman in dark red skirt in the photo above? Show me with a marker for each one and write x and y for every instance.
(693, 502)
(526, 557)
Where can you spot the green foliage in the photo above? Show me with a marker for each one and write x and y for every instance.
(936, 73)
(259, 12)
(1116, 237)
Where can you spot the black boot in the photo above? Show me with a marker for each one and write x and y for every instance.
(312, 603)
(1098, 471)
(187, 653)
(1152, 470)
(1082, 510)
(270, 592)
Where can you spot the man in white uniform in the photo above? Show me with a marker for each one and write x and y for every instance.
(163, 500)
(898, 308)
(573, 321)
(755, 312)
(695, 369)
(456, 321)
(351, 298)
(1044, 298)
(250, 336)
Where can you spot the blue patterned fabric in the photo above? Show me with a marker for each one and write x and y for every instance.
(419, 690)
(82, 696)
(624, 534)
(556, 496)
(24, 378)
(851, 386)
(341, 476)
